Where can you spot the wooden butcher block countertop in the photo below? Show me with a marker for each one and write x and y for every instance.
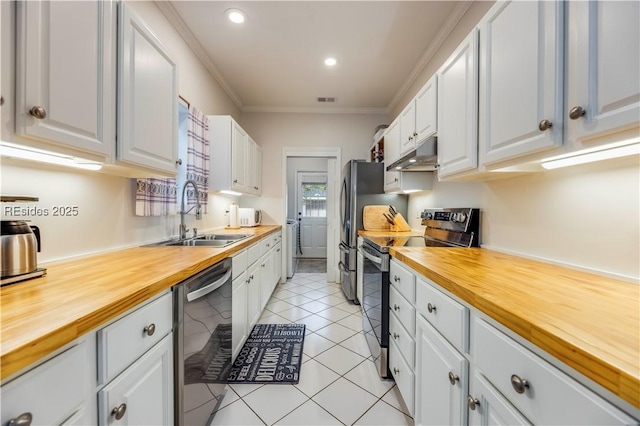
(43, 314)
(390, 234)
(589, 322)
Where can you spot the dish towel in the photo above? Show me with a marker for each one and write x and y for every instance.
(156, 197)
(198, 156)
(159, 197)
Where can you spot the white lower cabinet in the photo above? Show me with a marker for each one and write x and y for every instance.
(469, 371)
(253, 294)
(239, 326)
(441, 378)
(143, 393)
(55, 392)
(488, 407)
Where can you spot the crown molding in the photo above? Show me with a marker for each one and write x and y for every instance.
(166, 7)
(315, 110)
(448, 26)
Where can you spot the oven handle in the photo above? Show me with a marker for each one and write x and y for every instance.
(374, 259)
(208, 289)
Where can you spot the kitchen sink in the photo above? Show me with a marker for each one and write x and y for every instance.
(204, 240)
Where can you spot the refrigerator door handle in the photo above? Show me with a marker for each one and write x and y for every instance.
(342, 267)
(343, 248)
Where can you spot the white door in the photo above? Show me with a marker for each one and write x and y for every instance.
(312, 214)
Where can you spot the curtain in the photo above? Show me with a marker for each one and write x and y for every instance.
(198, 156)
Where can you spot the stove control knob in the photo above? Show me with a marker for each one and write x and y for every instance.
(427, 215)
(458, 217)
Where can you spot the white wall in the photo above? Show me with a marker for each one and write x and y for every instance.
(106, 219)
(295, 165)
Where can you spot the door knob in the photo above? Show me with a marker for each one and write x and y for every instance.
(38, 112)
(576, 112)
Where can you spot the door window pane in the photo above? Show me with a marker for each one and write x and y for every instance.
(314, 199)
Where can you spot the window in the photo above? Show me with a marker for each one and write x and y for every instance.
(314, 199)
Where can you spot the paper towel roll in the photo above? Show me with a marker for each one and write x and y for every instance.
(233, 216)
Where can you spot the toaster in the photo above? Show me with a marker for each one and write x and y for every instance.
(249, 217)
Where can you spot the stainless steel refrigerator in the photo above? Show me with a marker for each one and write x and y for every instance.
(362, 185)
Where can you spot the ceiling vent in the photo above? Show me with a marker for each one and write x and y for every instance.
(326, 99)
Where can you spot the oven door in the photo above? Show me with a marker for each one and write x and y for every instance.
(375, 306)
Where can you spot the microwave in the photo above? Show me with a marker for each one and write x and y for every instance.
(249, 217)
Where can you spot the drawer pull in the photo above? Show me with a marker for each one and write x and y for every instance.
(23, 419)
(453, 378)
(396, 336)
(519, 385)
(396, 278)
(431, 308)
(38, 112)
(396, 307)
(119, 411)
(395, 371)
(472, 403)
(150, 329)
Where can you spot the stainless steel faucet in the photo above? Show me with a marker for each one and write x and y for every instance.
(198, 207)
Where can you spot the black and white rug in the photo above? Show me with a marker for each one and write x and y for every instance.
(271, 354)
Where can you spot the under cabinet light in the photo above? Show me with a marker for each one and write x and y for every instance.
(225, 191)
(622, 149)
(32, 154)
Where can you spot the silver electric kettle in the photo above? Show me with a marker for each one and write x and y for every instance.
(20, 242)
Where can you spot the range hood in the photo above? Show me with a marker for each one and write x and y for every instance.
(422, 159)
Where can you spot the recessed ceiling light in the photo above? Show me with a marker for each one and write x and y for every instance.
(330, 62)
(236, 16)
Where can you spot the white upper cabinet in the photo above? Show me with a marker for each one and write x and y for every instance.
(65, 74)
(427, 110)
(237, 162)
(391, 154)
(603, 69)
(148, 98)
(418, 119)
(521, 48)
(408, 128)
(458, 109)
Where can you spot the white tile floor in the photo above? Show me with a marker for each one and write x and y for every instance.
(338, 381)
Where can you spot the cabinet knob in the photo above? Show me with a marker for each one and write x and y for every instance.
(251, 277)
(519, 385)
(395, 336)
(396, 307)
(396, 278)
(278, 250)
(395, 370)
(119, 411)
(410, 138)
(235, 181)
(23, 419)
(395, 180)
(38, 112)
(1, 100)
(431, 308)
(453, 378)
(576, 112)
(262, 265)
(472, 403)
(179, 162)
(415, 133)
(150, 329)
(545, 125)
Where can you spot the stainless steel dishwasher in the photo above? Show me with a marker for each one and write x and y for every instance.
(202, 337)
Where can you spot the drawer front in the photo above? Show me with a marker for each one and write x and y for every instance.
(124, 341)
(239, 263)
(402, 339)
(403, 280)
(448, 316)
(267, 244)
(276, 238)
(404, 310)
(254, 253)
(551, 396)
(53, 391)
(403, 375)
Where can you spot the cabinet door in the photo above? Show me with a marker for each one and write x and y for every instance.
(266, 278)
(239, 153)
(148, 98)
(408, 128)
(277, 265)
(489, 407)
(391, 154)
(441, 379)
(144, 391)
(253, 294)
(239, 329)
(66, 69)
(426, 110)
(602, 69)
(458, 109)
(521, 47)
